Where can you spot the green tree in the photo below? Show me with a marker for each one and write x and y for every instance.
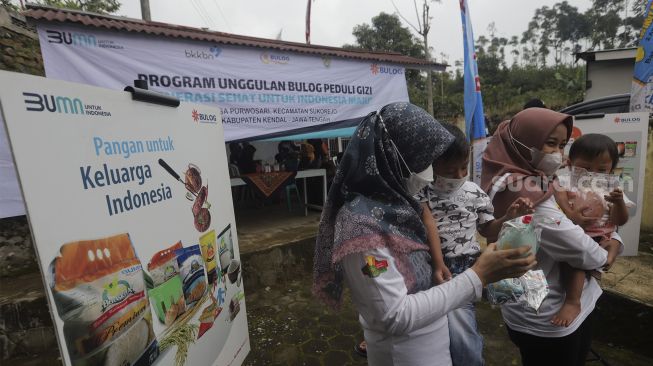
(94, 6)
(8, 5)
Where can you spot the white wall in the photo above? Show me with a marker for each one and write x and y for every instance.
(609, 77)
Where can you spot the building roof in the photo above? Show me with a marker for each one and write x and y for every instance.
(605, 55)
(46, 13)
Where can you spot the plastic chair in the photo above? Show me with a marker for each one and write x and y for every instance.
(292, 165)
(289, 188)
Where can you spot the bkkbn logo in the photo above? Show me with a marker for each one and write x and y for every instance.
(73, 39)
(38, 103)
(213, 53)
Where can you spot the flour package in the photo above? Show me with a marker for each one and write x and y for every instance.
(99, 293)
(532, 287)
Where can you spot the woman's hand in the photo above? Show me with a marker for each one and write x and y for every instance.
(494, 265)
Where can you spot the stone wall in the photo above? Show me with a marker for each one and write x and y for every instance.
(26, 333)
(19, 45)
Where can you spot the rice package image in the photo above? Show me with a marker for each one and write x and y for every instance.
(209, 249)
(191, 267)
(99, 292)
(163, 264)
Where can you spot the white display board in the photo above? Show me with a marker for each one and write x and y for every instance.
(137, 265)
(629, 131)
(259, 91)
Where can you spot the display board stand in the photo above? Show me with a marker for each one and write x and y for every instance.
(129, 205)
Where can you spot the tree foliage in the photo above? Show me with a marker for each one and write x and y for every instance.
(538, 63)
(94, 6)
(8, 5)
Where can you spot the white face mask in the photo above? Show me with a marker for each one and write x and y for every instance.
(547, 163)
(417, 181)
(582, 179)
(448, 185)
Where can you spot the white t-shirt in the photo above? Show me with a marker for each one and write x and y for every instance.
(456, 215)
(401, 328)
(563, 242)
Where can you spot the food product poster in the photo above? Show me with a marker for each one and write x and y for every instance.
(126, 200)
(629, 131)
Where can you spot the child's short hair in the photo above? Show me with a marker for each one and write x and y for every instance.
(459, 148)
(591, 145)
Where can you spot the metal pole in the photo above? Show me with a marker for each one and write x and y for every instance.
(145, 10)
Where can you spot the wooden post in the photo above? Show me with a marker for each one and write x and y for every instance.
(145, 10)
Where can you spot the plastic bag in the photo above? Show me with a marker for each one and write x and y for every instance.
(522, 231)
(532, 287)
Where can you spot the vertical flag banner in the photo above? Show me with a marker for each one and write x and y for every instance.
(641, 95)
(474, 118)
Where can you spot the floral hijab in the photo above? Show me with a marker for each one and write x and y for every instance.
(368, 206)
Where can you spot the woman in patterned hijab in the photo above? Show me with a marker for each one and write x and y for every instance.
(372, 238)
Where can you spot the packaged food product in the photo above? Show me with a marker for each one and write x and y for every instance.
(530, 289)
(209, 249)
(519, 232)
(163, 265)
(191, 267)
(168, 300)
(99, 293)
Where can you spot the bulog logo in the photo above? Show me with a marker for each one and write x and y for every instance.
(376, 69)
(204, 117)
(38, 103)
(270, 58)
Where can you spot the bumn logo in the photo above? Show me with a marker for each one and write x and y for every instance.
(38, 103)
(74, 39)
(374, 68)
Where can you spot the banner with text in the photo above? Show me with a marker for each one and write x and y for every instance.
(259, 91)
(133, 224)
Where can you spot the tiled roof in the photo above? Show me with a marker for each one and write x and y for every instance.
(46, 13)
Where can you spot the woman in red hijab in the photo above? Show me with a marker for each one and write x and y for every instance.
(521, 161)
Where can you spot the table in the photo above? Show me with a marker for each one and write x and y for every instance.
(301, 174)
